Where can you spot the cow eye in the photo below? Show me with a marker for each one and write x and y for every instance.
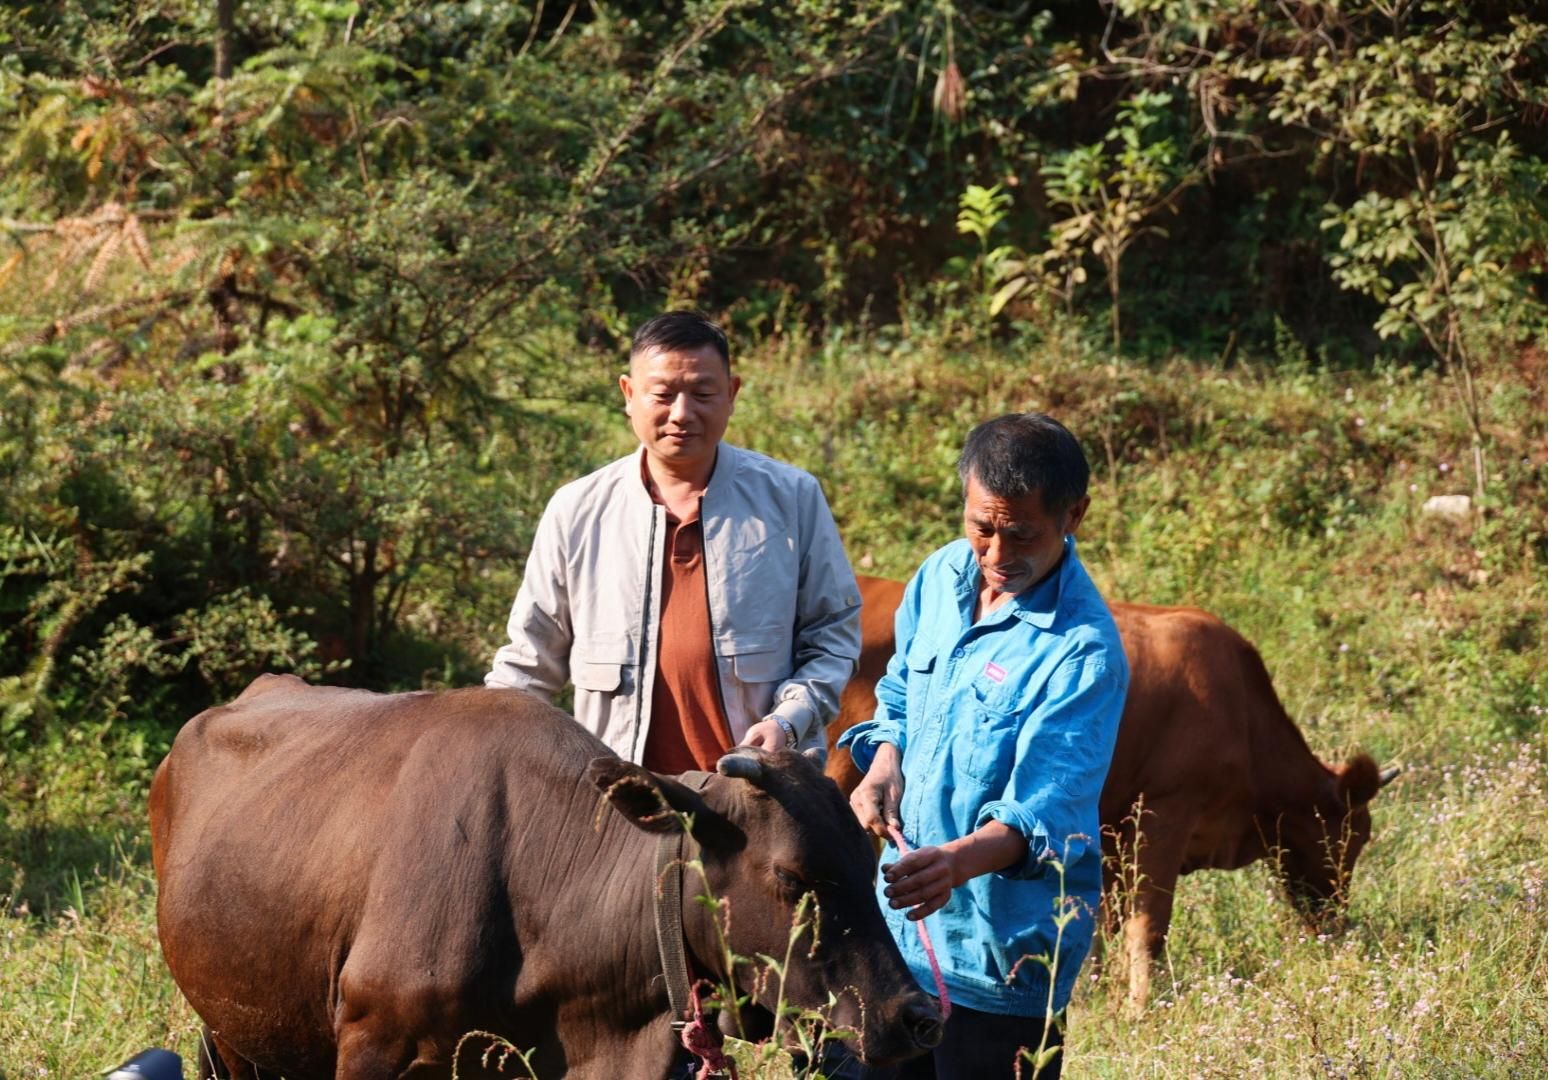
(790, 882)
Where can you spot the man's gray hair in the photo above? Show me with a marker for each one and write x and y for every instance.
(1019, 453)
(680, 331)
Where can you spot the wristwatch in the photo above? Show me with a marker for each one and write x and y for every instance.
(790, 732)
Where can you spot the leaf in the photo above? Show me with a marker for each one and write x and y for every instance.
(1006, 293)
(9, 267)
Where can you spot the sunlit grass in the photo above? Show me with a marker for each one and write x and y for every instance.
(83, 986)
(1287, 503)
(1443, 972)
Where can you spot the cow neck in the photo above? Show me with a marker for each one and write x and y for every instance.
(671, 939)
(1283, 762)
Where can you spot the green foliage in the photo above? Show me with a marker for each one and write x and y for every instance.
(291, 360)
(1111, 189)
(1108, 191)
(979, 212)
(1456, 206)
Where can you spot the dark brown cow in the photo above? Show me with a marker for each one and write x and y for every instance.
(349, 882)
(1220, 772)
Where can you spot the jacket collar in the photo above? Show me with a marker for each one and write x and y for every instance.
(727, 460)
(722, 478)
(1038, 605)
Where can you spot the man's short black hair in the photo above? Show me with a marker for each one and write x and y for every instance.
(680, 331)
(1019, 453)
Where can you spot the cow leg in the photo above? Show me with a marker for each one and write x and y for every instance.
(1144, 932)
(1140, 890)
(217, 1061)
(369, 1051)
(208, 1065)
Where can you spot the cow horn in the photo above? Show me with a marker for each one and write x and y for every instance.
(817, 755)
(740, 766)
(1389, 774)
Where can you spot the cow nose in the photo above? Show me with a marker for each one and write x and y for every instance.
(924, 1024)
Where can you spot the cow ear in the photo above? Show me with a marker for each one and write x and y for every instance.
(1359, 780)
(659, 804)
(651, 802)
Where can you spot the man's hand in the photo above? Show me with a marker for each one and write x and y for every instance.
(768, 734)
(922, 881)
(875, 801)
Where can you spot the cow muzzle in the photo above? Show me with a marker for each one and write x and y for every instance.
(906, 1028)
(924, 1024)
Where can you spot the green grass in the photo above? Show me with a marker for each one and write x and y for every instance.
(1442, 972)
(1287, 502)
(84, 986)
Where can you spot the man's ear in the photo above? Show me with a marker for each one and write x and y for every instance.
(1076, 514)
(626, 388)
(657, 803)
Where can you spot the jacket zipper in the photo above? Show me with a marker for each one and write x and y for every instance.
(709, 612)
(641, 674)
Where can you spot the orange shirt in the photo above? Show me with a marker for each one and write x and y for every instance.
(688, 728)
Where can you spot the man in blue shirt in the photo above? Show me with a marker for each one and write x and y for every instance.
(993, 732)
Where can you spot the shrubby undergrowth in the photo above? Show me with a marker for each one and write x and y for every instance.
(1288, 502)
(306, 308)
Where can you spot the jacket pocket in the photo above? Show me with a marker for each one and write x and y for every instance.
(757, 667)
(599, 664)
(598, 675)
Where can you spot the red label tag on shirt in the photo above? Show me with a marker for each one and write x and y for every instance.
(994, 671)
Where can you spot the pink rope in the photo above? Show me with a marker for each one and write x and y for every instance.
(924, 936)
(704, 1043)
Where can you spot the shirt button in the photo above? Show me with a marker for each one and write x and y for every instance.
(958, 654)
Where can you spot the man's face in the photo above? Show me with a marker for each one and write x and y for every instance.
(679, 403)
(1017, 541)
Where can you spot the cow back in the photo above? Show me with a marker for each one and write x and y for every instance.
(1198, 701)
(340, 821)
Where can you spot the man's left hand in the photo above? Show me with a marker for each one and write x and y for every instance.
(768, 735)
(921, 881)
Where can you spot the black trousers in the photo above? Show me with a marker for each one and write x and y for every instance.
(977, 1046)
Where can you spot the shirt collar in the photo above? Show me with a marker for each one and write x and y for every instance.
(720, 476)
(1038, 605)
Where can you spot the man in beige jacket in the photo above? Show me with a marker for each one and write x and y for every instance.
(695, 594)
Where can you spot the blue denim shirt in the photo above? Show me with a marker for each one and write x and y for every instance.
(1010, 719)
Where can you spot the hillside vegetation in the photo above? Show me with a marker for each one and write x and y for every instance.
(305, 309)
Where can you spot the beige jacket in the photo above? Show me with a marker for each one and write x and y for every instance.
(784, 607)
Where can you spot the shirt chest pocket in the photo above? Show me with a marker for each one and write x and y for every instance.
(921, 670)
(986, 743)
(755, 656)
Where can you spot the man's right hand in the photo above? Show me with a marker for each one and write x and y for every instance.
(875, 801)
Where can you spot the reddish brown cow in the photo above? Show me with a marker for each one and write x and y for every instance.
(349, 882)
(1220, 772)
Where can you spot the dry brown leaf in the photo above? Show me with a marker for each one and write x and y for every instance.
(99, 265)
(951, 93)
(84, 133)
(9, 267)
(137, 242)
(179, 257)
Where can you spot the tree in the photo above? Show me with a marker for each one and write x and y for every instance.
(360, 294)
(1425, 105)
